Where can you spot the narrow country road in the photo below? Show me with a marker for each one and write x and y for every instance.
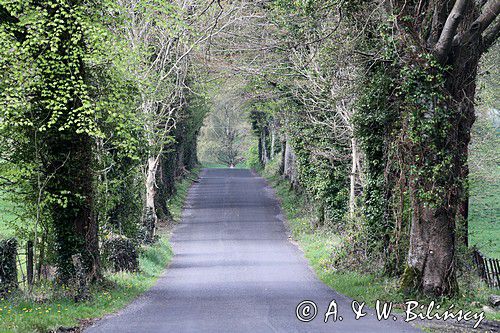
(234, 270)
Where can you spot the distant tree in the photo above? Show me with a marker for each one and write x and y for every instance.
(224, 136)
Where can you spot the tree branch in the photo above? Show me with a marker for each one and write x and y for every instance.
(489, 14)
(486, 18)
(450, 28)
(491, 35)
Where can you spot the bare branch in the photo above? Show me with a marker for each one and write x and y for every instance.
(449, 30)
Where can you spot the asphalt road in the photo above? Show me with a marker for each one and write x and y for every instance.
(234, 270)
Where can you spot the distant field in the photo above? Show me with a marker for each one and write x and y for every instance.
(6, 216)
(484, 216)
(484, 204)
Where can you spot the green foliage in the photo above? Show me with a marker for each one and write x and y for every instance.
(252, 158)
(325, 179)
(374, 122)
(432, 162)
(327, 182)
(74, 138)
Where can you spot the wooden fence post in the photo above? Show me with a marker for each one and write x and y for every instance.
(497, 265)
(29, 263)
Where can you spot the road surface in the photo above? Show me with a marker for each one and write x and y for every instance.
(234, 270)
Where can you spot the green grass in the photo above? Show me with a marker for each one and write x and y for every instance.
(55, 307)
(484, 214)
(484, 204)
(176, 203)
(319, 244)
(6, 216)
(484, 222)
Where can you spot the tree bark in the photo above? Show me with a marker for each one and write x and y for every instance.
(432, 250)
(283, 157)
(352, 188)
(75, 225)
(265, 154)
(151, 218)
(289, 164)
(273, 140)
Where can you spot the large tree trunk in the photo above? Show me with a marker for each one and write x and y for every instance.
(457, 39)
(432, 250)
(282, 161)
(68, 157)
(287, 159)
(75, 225)
(431, 258)
(265, 154)
(273, 141)
(289, 164)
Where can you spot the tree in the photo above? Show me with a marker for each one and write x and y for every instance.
(224, 135)
(432, 52)
(46, 98)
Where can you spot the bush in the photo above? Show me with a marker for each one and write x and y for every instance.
(120, 254)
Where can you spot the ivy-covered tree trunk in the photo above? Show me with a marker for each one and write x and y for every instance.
(75, 226)
(435, 224)
(440, 154)
(62, 110)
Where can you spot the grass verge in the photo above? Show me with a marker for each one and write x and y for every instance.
(48, 309)
(318, 246)
(176, 203)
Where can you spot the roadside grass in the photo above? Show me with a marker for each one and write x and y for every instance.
(22, 313)
(48, 307)
(318, 246)
(176, 203)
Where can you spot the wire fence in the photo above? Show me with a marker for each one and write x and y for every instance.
(25, 264)
(487, 268)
